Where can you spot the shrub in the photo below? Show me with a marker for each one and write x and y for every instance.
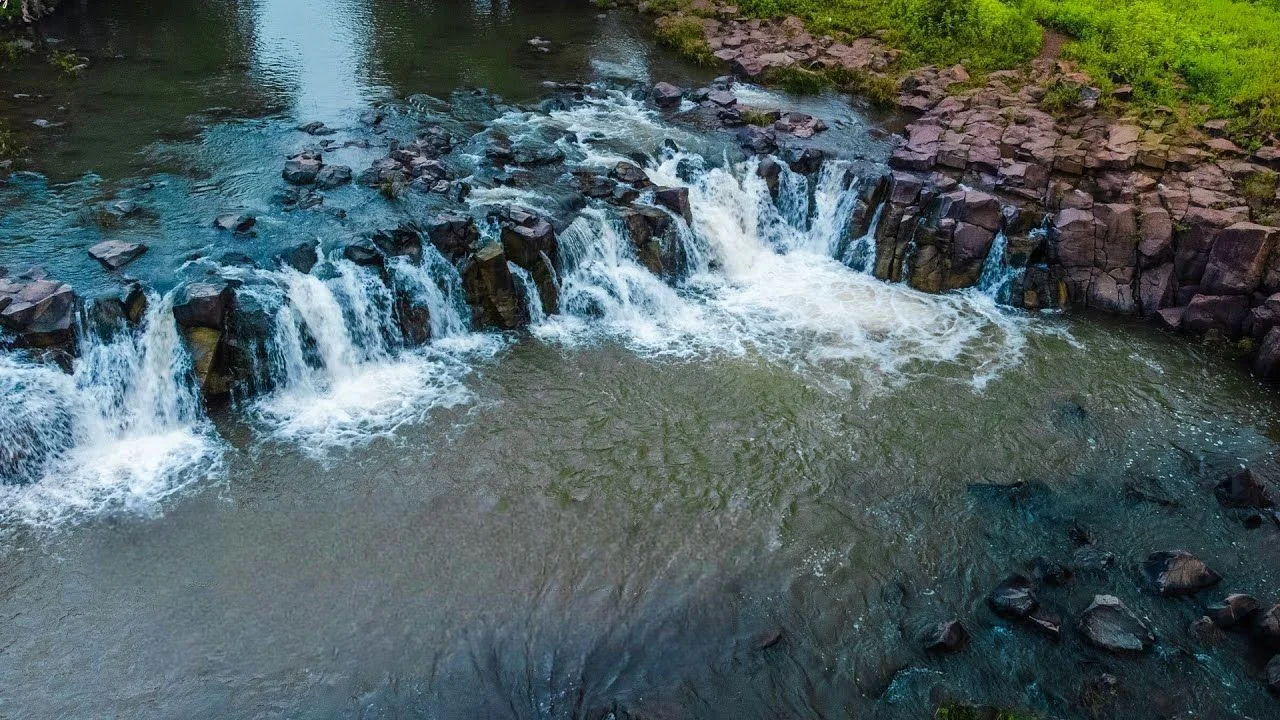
(685, 34)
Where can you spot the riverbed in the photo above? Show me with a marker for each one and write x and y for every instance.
(744, 493)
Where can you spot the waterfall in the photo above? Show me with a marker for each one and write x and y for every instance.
(998, 277)
(529, 289)
(861, 252)
(123, 430)
(436, 284)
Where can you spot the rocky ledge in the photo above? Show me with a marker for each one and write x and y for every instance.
(1102, 209)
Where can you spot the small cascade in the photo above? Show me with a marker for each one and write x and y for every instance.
(860, 254)
(529, 291)
(998, 277)
(123, 430)
(436, 284)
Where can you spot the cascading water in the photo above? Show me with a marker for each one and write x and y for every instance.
(998, 277)
(436, 284)
(123, 430)
(529, 290)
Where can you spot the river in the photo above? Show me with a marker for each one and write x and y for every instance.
(742, 493)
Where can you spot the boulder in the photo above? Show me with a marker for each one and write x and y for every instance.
(235, 222)
(1238, 259)
(412, 317)
(453, 235)
(799, 125)
(491, 290)
(115, 254)
(631, 174)
(207, 351)
(364, 253)
(1013, 598)
(647, 228)
(136, 303)
(401, 241)
(1267, 362)
(1108, 624)
(1220, 313)
(1234, 610)
(1240, 489)
(530, 242)
(806, 161)
(1266, 628)
(203, 304)
(946, 636)
(666, 96)
(302, 169)
(301, 257)
(596, 186)
(761, 141)
(771, 172)
(332, 176)
(1178, 573)
(675, 199)
(1263, 317)
(40, 313)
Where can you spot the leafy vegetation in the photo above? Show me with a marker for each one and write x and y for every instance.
(9, 146)
(685, 34)
(1222, 54)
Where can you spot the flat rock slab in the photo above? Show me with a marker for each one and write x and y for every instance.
(115, 254)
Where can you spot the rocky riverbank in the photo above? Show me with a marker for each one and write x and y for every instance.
(1100, 206)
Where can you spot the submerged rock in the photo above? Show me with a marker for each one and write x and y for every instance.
(332, 176)
(403, 241)
(302, 169)
(1234, 610)
(115, 254)
(946, 636)
(1178, 573)
(1272, 672)
(1109, 625)
(235, 222)
(1013, 598)
(1240, 489)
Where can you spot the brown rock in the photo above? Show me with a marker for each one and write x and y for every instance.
(1178, 573)
(1221, 313)
(1238, 258)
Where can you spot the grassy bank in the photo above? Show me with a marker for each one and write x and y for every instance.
(1221, 55)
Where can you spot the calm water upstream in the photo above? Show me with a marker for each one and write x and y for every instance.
(620, 510)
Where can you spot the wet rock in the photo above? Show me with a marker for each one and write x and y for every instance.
(1219, 313)
(530, 242)
(136, 303)
(798, 124)
(302, 169)
(771, 172)
(806, 161)
(205, 346)
(529, 153)
(1272, 672)
(115, 254)
(946, 636)
(676, 200)
(1013, 598)
(1050, 572)
(1266, 628)
(301, 257)
(402, 241)
(761, 141)
(1108, 624)
(1091, 559)
(1178, 573)
(364, 253)
(666, 96)
(299, 198)
(332, 176)
(235, 222)
(234, 258)
(40, 313)
(596, 186)
(1240, 489)
(647, 227)
(1267, 362)
(453, 235)
(491, 290)
(412, 317)
(631, 174)
(316, 128)
(624, 195)
(203, 304)
(1234, 610)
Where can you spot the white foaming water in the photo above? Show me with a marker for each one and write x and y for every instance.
(780, 292)
(436, 284)
(122, 432)
(342, 379)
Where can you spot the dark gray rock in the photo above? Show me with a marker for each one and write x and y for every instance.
(1240, 489)
(1178, 573)
(1109, 625)
(675, 199)
(946, 636)
(301, 257)
(666, 96)
(364, 253)
(631, 174)
(491, 290)
(302, 169)
(453, 235)
(332, 176)
(203, 304)
(235, 222)
(1014, 597)
(1234, 610)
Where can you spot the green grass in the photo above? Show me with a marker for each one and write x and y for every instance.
(1222, 54)
(685, 34)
